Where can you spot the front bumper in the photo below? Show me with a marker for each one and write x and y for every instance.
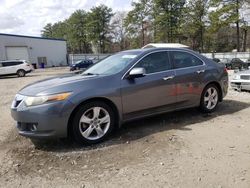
(240, 84)
(43, 121)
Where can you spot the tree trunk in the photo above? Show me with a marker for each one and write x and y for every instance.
(245, 40)
(238, 26)
(143, 34)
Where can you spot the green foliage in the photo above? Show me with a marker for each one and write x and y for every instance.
(99, 26)
(83, 30)
(168, 17)
(195, 23)
(204, 25)
(225, 13)
(76, 32)
(138, 21)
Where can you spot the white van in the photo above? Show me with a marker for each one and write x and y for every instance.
(15, 67)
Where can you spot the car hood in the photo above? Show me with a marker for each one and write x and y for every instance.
(42, 85)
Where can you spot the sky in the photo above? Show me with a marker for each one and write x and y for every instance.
(28, 17)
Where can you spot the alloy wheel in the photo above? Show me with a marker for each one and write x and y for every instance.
(211, 98)
(94, 123)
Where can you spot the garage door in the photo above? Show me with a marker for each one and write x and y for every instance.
(17, 53)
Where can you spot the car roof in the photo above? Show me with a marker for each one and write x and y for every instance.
(145, 50)
(165, 45)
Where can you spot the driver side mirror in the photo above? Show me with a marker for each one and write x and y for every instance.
(137, 72)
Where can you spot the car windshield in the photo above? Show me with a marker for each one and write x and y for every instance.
(112, 64)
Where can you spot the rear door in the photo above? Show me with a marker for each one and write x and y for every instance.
(189, 70)
(152, 93)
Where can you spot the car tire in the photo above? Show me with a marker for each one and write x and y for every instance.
(209, 98)
(21, 73)
(93, 123)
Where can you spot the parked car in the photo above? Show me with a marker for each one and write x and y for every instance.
(82, 64)
(15, 67)
(248, 62)
(125, 86)
(216, 60)
(226, 62)
(241, 81)
(237, 63)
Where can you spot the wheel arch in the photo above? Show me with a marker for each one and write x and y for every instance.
(20, 69)
(100, 99)
(217, 84)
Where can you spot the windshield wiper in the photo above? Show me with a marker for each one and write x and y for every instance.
(89, 73)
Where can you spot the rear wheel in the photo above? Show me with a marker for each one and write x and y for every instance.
(21, 73)
(93, 122)
(209, 98)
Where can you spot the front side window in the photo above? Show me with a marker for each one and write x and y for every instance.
(155, 62)
(184, 59)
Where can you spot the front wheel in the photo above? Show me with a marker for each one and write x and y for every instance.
(209, 98)
(93, 122)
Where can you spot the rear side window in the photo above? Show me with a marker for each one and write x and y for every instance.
(8, 64)
(155, 62)
(184, 59)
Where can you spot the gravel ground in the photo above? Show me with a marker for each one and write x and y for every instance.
(179, 149)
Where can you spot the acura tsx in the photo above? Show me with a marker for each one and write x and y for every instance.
(125, 86)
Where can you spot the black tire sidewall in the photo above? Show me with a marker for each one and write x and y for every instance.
(19, 72)
(202, 102)
(75, 124)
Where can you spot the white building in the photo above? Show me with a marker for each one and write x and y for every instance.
(37, 50)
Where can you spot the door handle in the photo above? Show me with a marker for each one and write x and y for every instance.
(168, 78)
(200, 71)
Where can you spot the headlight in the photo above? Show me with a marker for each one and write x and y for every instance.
(32, 101)
(236, 77)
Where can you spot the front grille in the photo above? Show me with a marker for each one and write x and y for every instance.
(245, 77)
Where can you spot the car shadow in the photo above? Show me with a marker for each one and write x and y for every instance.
(16, 77)
(134, 130)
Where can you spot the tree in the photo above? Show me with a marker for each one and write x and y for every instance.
(227, 13)
(118, 29)
(47, 30)
(168, 19)
(77, 32)
(138, 20)
(194, 26)
(99, 26)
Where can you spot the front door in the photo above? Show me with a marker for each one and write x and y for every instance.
(152, 93)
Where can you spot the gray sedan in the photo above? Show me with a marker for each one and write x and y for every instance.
(125, 86)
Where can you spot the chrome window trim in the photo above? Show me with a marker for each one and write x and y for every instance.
(173, 69)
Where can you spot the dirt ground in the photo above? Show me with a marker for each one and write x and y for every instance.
(180, 149)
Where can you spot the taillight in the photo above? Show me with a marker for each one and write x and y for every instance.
(225, 70)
